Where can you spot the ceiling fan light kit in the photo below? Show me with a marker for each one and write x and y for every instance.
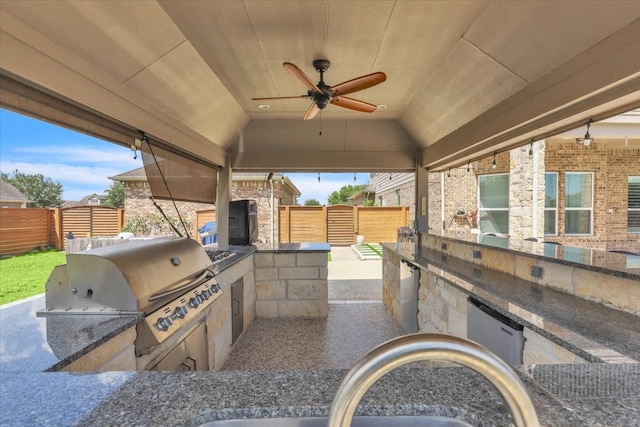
(322, 94)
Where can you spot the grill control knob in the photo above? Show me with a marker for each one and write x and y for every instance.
(216, 287)
(205, 294)
(195, 301)
(163, 323)
(181, 311)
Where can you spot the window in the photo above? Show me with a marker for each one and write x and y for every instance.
(493, 203)
(633, 215)
(551, 204)
(578, 203)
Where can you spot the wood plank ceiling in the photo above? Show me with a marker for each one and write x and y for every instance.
(463, 78)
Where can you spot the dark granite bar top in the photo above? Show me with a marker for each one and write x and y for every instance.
(617, 264)
(592, 331)
(294, 247)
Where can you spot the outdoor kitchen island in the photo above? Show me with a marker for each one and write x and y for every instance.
(563, 395)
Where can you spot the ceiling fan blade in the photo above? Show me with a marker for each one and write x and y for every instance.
(301, 77)
(312, 111)
(281, 97)
(359, 83)
(354, 104)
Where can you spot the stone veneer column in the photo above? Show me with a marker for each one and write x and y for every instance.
(524, 172)
(291, 284)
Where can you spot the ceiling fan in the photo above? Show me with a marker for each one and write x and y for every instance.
(322, 94)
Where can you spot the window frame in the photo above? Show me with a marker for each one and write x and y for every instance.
(507, 209)
(555, 226)
(574, 209)
(628, 208)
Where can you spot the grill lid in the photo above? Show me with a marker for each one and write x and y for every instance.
(138, 276)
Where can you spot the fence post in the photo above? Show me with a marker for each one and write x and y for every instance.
(120, 219)
(57, 228)
(325, 232)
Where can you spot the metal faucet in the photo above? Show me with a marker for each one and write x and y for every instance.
(419, 347)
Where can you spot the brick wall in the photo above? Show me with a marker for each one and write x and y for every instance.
(137, 203)
(610, 171)
(611, 168)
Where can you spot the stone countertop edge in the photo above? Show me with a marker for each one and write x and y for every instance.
(610, 334)
(191, 399)
(294, 247)
(535, 247)
(76, 350)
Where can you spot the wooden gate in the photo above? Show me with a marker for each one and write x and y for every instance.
(340, 225)
(303, 223)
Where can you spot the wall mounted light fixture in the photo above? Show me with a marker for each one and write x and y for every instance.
(587, 140)
(449, 173)
(494, 165)
(354, 177)
(469, 166)
(531, 148)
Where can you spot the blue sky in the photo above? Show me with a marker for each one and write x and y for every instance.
(82, 164)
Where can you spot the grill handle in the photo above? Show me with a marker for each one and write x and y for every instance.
(205, 275)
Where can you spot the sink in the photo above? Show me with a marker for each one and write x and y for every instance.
(362, 421)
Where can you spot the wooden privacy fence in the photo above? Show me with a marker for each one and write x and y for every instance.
(23, 229)
(340, 224)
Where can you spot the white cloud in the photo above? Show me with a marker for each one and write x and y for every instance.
(122, 157)
(329, 182)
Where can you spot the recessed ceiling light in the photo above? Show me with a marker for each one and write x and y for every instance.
(263, 106)
(382, 107)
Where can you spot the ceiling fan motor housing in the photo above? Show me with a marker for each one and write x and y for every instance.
(321, 65)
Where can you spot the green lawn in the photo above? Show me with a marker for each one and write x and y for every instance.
(23, 276)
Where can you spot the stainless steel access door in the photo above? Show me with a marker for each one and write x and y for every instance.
(237, 309)
(409, 283)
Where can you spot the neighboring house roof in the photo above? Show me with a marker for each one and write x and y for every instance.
(366, 191)
(90, 200)
(9, 193)
(139, 175)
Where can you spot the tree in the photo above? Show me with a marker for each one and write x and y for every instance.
(311, 202)
(341, 196)
(115, 195)
(42, 192)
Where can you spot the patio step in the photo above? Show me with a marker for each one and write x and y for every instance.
(368, 251)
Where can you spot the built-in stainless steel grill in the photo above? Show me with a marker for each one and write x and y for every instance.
(168, 280)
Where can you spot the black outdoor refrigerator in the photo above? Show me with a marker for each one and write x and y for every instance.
(243, 222)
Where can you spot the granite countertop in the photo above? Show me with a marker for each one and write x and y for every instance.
(294, 247)
(592, 331)
(202, 397)
(577, 399)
